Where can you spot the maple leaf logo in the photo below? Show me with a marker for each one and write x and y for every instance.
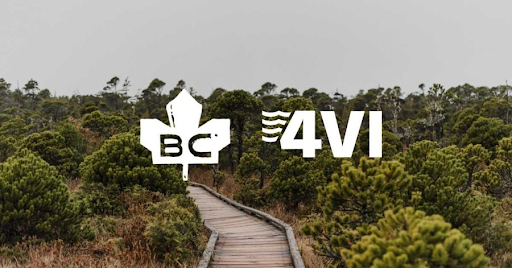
(184, 141)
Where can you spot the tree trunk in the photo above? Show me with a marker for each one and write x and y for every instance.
(240, 141)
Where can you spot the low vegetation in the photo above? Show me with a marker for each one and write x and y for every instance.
(78, 190)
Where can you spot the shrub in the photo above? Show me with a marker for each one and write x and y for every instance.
(270, 153)
(441, 176)
(122, 161)
(7, 147)
(251, 164)
(487, 132)
(353, 201)
(101, 199)
(106, 125)
(72, 136)
(326, 165)
(34, 201)
(51, 146)
(174, 233)
(500, 180)
(408, 238)
(292, 182)
(499, 237)
(251, 193)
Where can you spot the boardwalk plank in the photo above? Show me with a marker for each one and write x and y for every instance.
(244, 240)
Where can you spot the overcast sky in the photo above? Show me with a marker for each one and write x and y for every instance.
(76, 46)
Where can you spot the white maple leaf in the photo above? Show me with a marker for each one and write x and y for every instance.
(184, 141)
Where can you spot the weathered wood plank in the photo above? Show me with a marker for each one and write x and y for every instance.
(243, 239)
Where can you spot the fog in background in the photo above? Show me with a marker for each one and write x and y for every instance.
(77, 46)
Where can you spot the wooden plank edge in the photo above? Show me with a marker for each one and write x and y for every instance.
(292, 243)
(208, 251)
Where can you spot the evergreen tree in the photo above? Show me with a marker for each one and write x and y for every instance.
(293, 183)
(34, 201)
(440, 177)
(250, 194)
(355, 199)
(72, 136)
(105, 125)
(7, 147)
(240, 107)
(487, 132)
(409, 238)
(51, 146)
(498, 180)
(123, 162)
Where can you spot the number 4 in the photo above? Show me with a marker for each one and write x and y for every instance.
(308, 144)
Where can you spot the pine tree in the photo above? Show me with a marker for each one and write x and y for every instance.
(440, 181)
(251, 193)
(355, 200)
(475, 158)
(122, 161)
(105, 125)
(409, 238)
(500, 180)
(34, 200)
(51, 146)
(270, 153)
(293, 183)
(7, 147)
(487, 132)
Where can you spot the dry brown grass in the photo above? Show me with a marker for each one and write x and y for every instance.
(120, 242)
(88, 254)
(204, 176)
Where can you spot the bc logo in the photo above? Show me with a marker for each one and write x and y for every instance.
(184, 141)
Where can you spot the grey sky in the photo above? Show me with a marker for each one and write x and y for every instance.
(73, 45)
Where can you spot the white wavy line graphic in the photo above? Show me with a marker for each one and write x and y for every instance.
(267, 139)
(276, 113)
(273, 122)
(271, 131)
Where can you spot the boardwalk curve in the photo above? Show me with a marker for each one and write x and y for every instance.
(242, 236)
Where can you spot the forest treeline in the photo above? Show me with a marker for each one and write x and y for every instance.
(440, 196)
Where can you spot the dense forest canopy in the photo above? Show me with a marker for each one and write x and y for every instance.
(439, 196)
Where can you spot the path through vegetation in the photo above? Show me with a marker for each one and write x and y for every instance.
(244, 240)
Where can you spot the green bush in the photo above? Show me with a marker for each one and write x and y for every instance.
(355, 200)
(409, 238)
(442, 177)
(100, 199)
(174, 233)
(106, 125)
(251, 193)
(7, 147)
(51, 146)
(487, 132)
(34, 201)
(499, 181)
(72, 136)
(122, 161)
(292, 182)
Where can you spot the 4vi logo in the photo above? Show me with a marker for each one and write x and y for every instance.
(273, 126)
(184, 141)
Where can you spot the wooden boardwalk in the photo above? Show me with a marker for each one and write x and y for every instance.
(244, 240)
